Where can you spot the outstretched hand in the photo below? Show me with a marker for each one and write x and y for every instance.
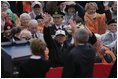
(46, 19)
(73, 25)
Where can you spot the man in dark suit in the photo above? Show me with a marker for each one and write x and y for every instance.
(58, 49)
(37, 66)
(80, 61)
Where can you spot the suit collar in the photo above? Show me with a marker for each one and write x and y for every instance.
(59, 27)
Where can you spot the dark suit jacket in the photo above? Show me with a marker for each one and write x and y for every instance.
(57, 53)
(80, 61)
(34, 68)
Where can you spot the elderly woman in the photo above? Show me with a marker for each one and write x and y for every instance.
(37, 66)
(94, 21)
(105, 55)
(24, 19)
(33, 25)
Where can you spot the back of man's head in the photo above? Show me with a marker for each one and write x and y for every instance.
(37, 47)
(82, 36)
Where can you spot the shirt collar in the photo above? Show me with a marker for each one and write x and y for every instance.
(112, 33)
(62, 45)
(35, 57)
(58, 26)
(81, 44)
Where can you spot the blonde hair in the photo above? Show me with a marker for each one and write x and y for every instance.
(90, 4)
(37, 47)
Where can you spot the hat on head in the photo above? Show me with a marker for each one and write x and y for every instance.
(36, 4)
(112, 21)
(57, 14)
(60, 32)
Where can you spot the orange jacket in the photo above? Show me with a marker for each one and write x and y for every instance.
(96, 25)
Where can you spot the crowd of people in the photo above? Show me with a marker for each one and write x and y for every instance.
(69, 34)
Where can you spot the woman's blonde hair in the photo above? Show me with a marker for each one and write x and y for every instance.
(37, 47)
(90, 4)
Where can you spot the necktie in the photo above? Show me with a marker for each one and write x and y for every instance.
(34, 35)
(59, 28)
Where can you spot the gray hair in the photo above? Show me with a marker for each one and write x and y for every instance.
(25, 32)
(24, 15)
(33, 21)
(82, 35)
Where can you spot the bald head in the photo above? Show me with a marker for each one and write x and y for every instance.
(82, 35)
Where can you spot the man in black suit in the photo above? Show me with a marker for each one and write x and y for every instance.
(37, 66)
(80, 61)
(58, 48)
